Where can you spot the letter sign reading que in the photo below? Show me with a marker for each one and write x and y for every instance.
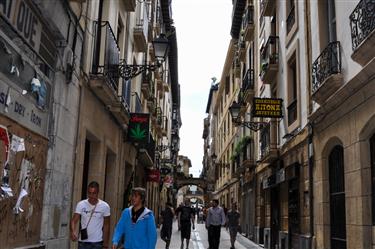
(21, 15)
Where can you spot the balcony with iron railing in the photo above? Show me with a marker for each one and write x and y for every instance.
(241, 46)
(269, 60)
(248, 86)
(362, 25)
(140, 31)
(147, 87)
(326, 73)
(268, 142)
(236, 65)
(248, 23)
(246, 158)
(267, 7)
(104, 75)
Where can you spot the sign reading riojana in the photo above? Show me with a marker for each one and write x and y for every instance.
(139, 127)
(267, 108)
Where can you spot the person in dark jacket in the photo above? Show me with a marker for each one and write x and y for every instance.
(167, 216)
(186, 220)
(137, 224)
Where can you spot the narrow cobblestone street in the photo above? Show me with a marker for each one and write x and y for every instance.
(199, 240)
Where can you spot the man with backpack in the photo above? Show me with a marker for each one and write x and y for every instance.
(186, 220)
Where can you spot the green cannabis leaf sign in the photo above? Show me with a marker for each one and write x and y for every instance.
(138, 133)
(139, 126)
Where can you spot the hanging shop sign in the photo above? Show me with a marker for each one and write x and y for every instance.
(19, 108)
(267, 108)
(23, 17)
(139, 126)
(153, 175)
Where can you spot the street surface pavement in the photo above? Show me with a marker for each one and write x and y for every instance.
(199, 239)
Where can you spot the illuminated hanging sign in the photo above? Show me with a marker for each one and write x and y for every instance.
(139, 126)
(267, 108)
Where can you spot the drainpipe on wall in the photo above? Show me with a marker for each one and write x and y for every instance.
(99, 35)
(311, 178)
(309, 125)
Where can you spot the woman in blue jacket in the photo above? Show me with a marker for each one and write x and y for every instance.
(137, 224)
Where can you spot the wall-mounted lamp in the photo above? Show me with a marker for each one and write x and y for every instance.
(234, 110)
(129, 71)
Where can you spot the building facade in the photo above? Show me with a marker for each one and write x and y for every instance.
(41, 55)
(68, 100)
(342, 117)
(305, 178)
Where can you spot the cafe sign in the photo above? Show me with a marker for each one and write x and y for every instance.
(139, 126)
(267, 108)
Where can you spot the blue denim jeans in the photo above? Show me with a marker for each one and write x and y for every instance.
(90, 245)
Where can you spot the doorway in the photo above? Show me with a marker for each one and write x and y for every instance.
(337, 198)
(275, 217)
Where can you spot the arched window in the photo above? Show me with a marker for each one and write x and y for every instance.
(337, 198)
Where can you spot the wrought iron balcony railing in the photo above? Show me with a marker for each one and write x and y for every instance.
(106, 57)
(269, 55)
(159, 116)
(248, 80)
(328, 63)
(248, 17)
(291, 19)
(362, 22)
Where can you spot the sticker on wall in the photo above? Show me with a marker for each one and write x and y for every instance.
(18, 144)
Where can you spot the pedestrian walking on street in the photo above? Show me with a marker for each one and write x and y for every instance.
(137, 224)
(94, 217)
(167, 216)
(186, 220)
(215, 219)
(233, 223)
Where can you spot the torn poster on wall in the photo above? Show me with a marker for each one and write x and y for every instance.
(24, 180)
(18, 144)
(6, 191)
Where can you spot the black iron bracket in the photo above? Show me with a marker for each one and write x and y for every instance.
(129, 71)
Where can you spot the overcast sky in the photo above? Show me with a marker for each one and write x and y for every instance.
(203, 35)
